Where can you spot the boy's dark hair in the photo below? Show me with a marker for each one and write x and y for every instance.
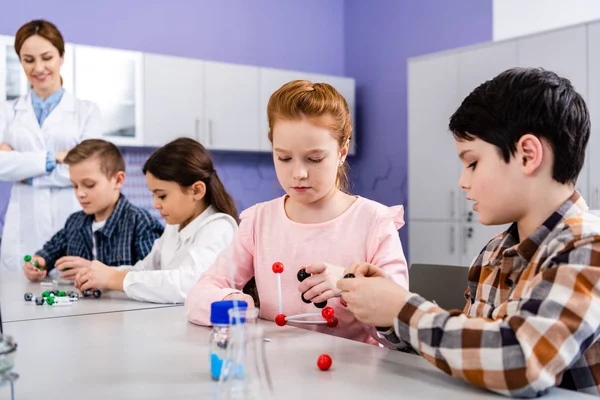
(185, 161)
(111, 159)
(528, 100)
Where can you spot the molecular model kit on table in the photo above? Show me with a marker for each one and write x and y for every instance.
(60, 297)
(56, 296)
(327, 313)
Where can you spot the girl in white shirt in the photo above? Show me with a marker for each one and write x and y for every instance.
(201, 221)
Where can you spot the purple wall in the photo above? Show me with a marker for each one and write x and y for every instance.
(302, 35)
(379, 37)
(367, 40)
(305, 35)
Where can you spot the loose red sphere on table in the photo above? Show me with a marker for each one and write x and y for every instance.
(324, 362)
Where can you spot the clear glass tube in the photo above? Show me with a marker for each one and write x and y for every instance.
(245, 374)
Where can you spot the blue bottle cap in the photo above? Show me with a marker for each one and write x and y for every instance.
(219, 311)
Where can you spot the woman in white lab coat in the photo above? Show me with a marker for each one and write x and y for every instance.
(36, 132)
(201, 222)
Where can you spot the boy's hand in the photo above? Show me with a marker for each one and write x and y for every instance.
(374, 300)
(5, 147)
(69, 266)
(32, 272)
(321, 285)
(99, 276)
(364, 269)
(241, 297)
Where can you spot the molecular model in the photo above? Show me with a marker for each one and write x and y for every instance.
(328, 314)
(59, 297)
(53, 298)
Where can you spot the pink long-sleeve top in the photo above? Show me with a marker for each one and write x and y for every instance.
(366, 231)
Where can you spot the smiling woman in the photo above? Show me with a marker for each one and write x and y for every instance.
(36, 132)
(41, 50)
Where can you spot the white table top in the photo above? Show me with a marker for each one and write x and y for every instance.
(157, 354)
(13, 287)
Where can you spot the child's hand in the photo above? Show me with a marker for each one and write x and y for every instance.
(321, 285)
(69, 266)
(366, 270)
(5, 147)
(374, 300)
(241, 297)
(32, 272)
(99, 276)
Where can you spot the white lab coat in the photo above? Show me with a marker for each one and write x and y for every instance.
(179, 258)
(38, 211)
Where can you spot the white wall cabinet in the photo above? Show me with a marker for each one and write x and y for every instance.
(231, 107)
(593, 162)
(113, 79)
(433, 166)
(435, 242)
(151, 99)
(483, 63)
(272, 79)
(173, 99)
(214, 103)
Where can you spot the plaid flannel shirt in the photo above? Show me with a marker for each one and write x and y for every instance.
(126, 238)
(532, 318)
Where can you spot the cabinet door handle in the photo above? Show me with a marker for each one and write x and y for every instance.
(197, 129)
(452, 207)
(452, 244)
(210, 132)
(597, 196)
(470, 216)
(468, 235)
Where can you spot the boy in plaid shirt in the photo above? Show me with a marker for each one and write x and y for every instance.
(532, 318)
(109, 228)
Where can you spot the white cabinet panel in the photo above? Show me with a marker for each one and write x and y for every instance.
(593, 160)
(484, 63)
(434, 243)
(432, 161)
(232, 107)
(113, 79)
(173, 99)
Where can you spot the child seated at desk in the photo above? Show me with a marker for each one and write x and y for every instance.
(315, 225)
(532, 316)
(201, 218)
(109, 228)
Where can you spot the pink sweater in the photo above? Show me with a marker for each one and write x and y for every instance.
(366, 231)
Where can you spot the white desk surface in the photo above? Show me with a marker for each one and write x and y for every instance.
(13, 287)
(157, 354)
